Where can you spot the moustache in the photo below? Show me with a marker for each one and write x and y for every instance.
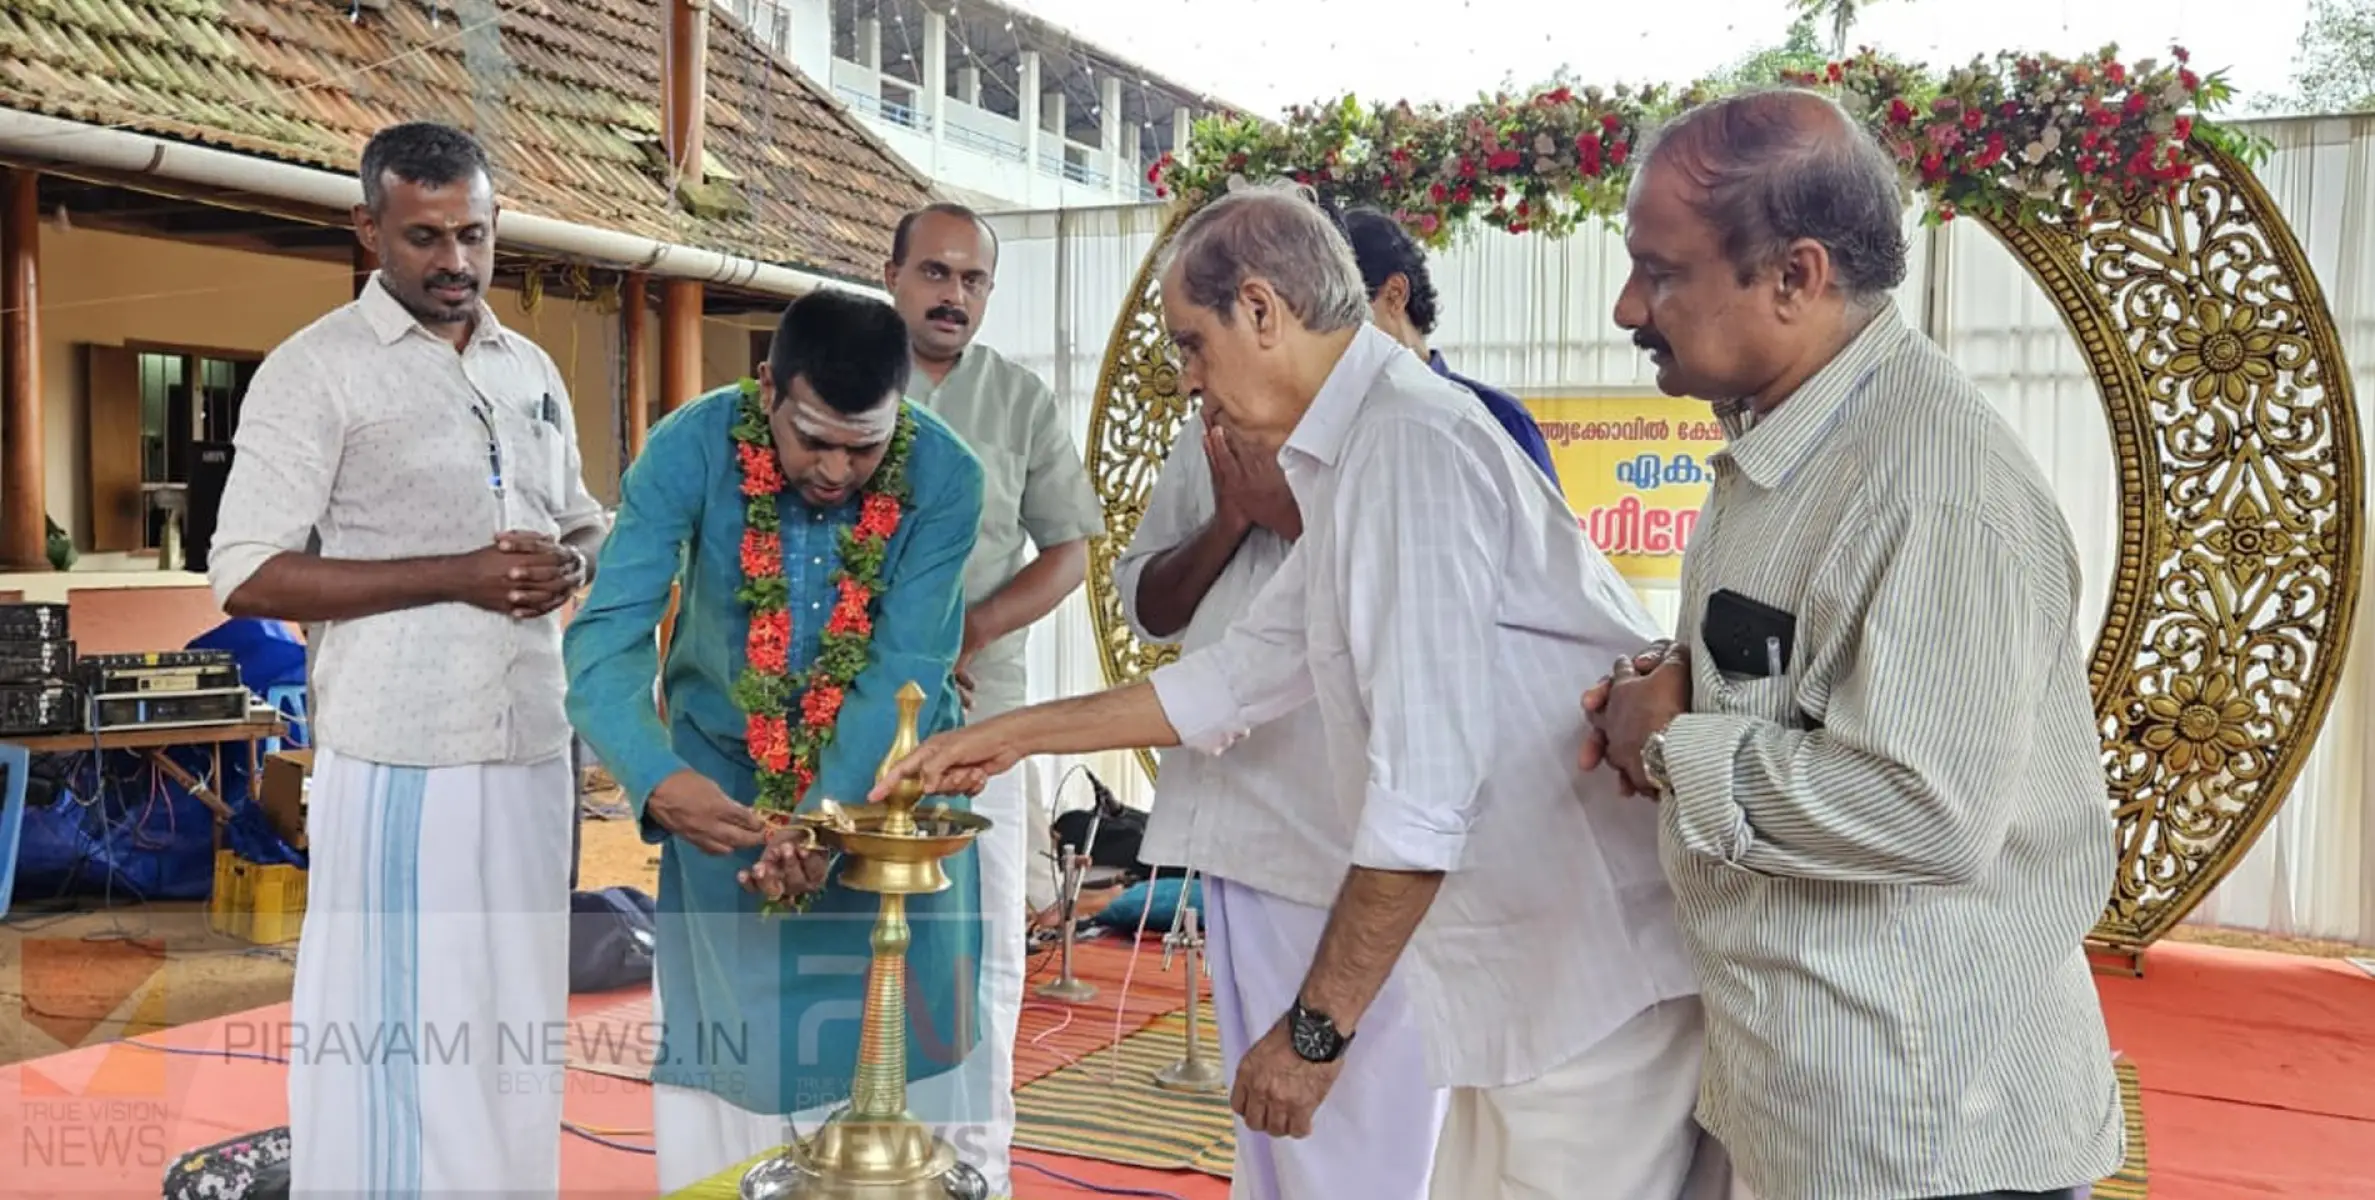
(954, 316)
(453, 281)
(1654, 345)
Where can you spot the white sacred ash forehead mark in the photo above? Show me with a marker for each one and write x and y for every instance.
(857, 429)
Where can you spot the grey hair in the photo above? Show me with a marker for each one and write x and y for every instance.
(1279, 233)
(1774, 165)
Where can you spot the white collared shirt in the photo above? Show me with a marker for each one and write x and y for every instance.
(1445, 610)
(372, 432)
(1035, 493)
(1259, 815)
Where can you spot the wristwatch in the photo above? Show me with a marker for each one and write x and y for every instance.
(1315, 1037)
(1653, 761)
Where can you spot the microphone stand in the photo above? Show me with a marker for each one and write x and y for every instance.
(1193, 1072)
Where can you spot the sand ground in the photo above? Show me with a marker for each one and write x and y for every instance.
(69, 980)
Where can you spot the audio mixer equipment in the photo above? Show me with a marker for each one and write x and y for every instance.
(162, 690)
(37, 692)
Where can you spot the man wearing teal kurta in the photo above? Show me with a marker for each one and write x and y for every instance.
(760, 1014)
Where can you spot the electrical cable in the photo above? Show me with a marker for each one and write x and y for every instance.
(1102, 1189)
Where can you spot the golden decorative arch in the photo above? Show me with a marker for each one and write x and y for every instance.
(2241, 528)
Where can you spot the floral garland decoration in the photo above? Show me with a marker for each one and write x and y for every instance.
(769, 691)
(2022, 138)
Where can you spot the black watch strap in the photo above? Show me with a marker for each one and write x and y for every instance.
(1314, 1036)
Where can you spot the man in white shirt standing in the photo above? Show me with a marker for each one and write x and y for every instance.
(1437, 606)
(433, 454)
(1219, 523)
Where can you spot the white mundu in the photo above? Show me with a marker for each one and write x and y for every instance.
(1272, 858)
(1442, 606)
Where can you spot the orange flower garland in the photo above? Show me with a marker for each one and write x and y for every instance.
(770, 691)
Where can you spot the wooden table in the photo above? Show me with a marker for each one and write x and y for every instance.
(154, 742)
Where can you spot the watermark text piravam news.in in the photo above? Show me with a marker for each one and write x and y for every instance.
(496, 1044)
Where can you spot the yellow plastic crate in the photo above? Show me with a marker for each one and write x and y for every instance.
(256, 903)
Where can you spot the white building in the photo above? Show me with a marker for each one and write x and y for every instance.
(986, 99)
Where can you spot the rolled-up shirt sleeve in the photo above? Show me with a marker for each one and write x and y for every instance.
(1178, 506)
(1902, 782)
(1256, 673)
(1424, 567)
(292, 431)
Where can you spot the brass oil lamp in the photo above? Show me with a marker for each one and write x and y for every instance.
(873, 1148)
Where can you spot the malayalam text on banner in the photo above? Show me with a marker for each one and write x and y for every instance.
(1635, 472)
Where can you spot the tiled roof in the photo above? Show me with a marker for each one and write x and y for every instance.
(565, 94)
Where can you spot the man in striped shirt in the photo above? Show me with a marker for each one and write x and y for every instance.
(1872, 741)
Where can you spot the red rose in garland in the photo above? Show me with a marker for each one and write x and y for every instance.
(2018, 138)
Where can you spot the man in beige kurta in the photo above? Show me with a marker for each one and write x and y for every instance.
(1035, 498)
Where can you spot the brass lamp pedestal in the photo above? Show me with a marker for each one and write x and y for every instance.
(873, 1148)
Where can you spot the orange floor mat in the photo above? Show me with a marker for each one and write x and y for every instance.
(2258, 1070)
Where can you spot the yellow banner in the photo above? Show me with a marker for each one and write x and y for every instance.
(1635, 472)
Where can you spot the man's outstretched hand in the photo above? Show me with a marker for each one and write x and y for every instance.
(957, 763)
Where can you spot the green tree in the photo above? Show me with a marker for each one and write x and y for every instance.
(1800, 50)
(2337, 63)
(1839, 14)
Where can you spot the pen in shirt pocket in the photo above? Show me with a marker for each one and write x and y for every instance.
(1773, 663)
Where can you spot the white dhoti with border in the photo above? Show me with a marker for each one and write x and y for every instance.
(428, 1038)
(697, 1134)
(1375, 1136)
(1614, 1123)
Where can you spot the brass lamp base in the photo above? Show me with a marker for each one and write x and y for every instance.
(853, 1160)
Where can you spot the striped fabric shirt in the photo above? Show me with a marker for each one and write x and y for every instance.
(1887, 853)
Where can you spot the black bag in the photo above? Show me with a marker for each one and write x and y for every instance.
(253, 1166)
(1120, 832)
(610, 939)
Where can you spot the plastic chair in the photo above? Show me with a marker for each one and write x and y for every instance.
(18, 762)
(289, 699)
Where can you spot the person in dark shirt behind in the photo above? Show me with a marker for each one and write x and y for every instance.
(1402, 303)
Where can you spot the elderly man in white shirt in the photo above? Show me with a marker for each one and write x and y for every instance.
(1438, 606)
(432, 454)
(1218, 525)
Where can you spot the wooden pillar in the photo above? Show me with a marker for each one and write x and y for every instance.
(684, 93)
(635, 315)
(24, 501)
(680, 343)
(365, 263)
(684, 76)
